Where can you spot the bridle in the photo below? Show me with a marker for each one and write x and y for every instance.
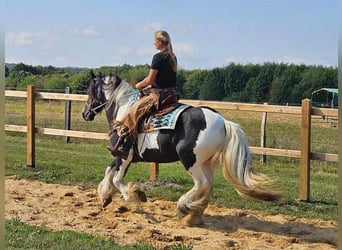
(96, 93)
(94, 110)
(98, 97)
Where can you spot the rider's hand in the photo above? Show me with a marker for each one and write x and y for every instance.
(141, 93)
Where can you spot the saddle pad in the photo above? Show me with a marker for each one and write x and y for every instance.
(167, 121)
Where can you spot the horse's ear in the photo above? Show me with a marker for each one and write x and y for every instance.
(92, 75)
(91, 88)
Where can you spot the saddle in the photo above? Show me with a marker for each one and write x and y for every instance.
(167, 105)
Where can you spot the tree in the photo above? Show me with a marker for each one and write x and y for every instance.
(282, 85)
(236, 78)
(26, 68)
(261, 84)
(213, 86)
(193, 84)
(247, 93)
(180, 82)
(313, 78)
(80, 81)
(6, 71)
(15, 77)
(29, 80)
(56, 82)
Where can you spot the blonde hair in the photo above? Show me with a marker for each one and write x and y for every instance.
(165, 38)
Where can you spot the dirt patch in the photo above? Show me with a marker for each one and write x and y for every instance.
(60, 207)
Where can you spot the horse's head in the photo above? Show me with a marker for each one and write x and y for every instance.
(97, 98)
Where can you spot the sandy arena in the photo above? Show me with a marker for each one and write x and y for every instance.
(60, 207)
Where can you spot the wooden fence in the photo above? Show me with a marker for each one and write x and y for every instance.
(304, 154)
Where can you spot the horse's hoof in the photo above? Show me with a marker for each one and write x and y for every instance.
(192, 220)
(141, 195)
(136, 194)
(106, 202)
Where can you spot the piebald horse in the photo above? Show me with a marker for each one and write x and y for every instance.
(202, 138)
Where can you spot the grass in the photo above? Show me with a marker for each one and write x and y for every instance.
(22, 236)
(82, 162)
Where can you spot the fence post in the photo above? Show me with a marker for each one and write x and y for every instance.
(263, 135)
(30, 122)
(67, 114)
(305, 151)
(154, 171)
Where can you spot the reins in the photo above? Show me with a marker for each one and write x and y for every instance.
(130, 93)
(93, 110)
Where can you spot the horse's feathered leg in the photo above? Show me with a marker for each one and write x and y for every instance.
(118, 178)
(130, 191)
(106, 188)
(192, 204)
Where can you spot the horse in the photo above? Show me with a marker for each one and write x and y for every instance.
(202, 138)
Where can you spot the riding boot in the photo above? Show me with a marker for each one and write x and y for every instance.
(114, 149)
(121, 147)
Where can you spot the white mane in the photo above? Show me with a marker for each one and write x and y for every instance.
(119, 98)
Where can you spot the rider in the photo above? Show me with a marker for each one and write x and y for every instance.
(160, 81)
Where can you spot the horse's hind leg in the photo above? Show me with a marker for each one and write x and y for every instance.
(192, 204)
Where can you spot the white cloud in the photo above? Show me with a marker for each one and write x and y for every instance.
(134, 55)
(10, 59)
(25, 38)
(74, 31)
(22, 38)
(30, 60)
(262, 60)
(183, 48)
(229, 60)
(125, 50)
(60, 61)
(185, 26)
(150, 27)
(90, 31)
(116, 27)
(146, 51)
(292, 60)
(87, 31)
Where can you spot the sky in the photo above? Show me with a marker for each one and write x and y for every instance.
(205, 33)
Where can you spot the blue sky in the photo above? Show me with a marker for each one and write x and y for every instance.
(205, 34)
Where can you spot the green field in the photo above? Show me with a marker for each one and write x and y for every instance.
(82, 162)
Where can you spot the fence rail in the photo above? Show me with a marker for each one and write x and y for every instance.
(305, 111)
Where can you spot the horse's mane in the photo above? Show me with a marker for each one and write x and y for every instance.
(120, 94)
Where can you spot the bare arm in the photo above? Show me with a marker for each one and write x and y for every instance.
(148, 80)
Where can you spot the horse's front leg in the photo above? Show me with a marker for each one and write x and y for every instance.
(130, 191)
(106, 188)
(118, 178)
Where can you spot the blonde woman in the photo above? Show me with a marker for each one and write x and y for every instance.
(161, 82)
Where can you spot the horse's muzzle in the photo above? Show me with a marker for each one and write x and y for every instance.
(88, 115)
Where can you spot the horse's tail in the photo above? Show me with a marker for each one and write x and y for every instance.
(237, 169)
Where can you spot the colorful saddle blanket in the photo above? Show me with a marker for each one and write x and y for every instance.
(162, 119)
(165, 121)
